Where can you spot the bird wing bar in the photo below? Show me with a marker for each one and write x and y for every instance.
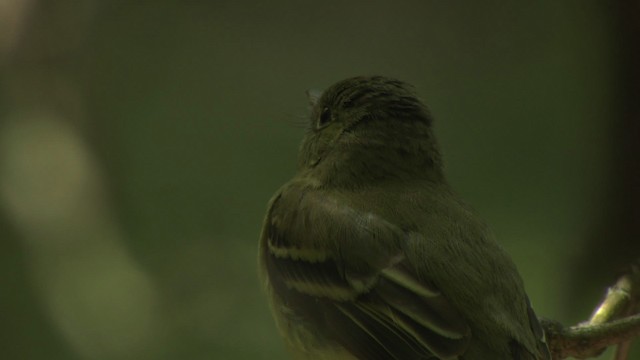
(350, 264)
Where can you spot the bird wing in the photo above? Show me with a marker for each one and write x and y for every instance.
(541, 342)
(344, 271)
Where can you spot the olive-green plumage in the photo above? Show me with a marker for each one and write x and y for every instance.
(367, 253)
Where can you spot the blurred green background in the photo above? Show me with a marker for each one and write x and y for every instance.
(140, 142)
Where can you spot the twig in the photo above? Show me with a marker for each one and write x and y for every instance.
(607, 326)
(584, 341)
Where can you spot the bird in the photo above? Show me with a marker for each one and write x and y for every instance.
(368, 253)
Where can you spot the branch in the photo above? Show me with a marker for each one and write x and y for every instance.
(610, 324)
(584, 341)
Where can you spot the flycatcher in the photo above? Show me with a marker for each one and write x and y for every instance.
(367, 253)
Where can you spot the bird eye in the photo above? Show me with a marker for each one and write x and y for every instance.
(325, 117)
